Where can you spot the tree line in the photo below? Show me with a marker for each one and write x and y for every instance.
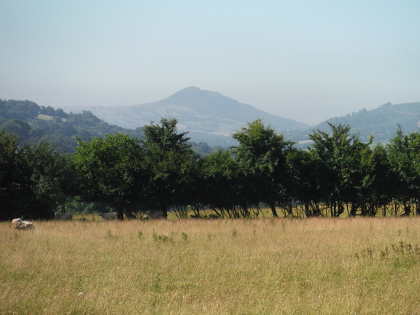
(337, 175)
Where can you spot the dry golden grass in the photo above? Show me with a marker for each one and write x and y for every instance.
(262, 266)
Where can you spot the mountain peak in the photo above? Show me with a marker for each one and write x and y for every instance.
(190, 89)
(209, 116)
(186, 92)
(198, 96)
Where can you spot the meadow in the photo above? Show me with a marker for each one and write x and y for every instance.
(193, 266)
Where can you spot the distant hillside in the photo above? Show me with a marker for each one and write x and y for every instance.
(208, 116)
(33, 124)
(381, 122)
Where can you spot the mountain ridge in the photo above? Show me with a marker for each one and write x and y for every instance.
(209, 116)
(381, 122)
(206, 127)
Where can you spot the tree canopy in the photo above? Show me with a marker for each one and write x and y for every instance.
(338, 175)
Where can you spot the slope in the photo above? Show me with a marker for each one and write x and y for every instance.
(33, 124)
(381, 122)
(208, 116)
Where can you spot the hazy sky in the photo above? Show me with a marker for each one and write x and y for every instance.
(307, 60)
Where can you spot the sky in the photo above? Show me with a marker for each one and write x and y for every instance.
(306, 60)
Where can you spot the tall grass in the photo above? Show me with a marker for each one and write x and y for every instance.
(262, 266)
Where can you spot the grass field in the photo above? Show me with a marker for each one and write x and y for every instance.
(261, 266)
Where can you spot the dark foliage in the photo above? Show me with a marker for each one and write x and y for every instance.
(337, 175)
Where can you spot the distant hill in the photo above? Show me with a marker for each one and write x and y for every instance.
(208, 116)
(33, 124)
(381, 122)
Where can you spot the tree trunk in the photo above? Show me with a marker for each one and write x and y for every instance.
(164, 212)
(407, 209)
(273, 210)
(384, 210)
(130, 215)
(353, 210)
(120, 214)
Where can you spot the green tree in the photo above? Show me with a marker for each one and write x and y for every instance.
(339, 156)
(404, 155)
(34, 180)
(306, 180)
(15, 179)
(170, 160)
(378, 181)
(224, 185)
(52, 176)
(112, 171)
(262, 154)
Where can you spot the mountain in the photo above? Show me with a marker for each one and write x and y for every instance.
(33, 123)
(381, 122)
(208, 116)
